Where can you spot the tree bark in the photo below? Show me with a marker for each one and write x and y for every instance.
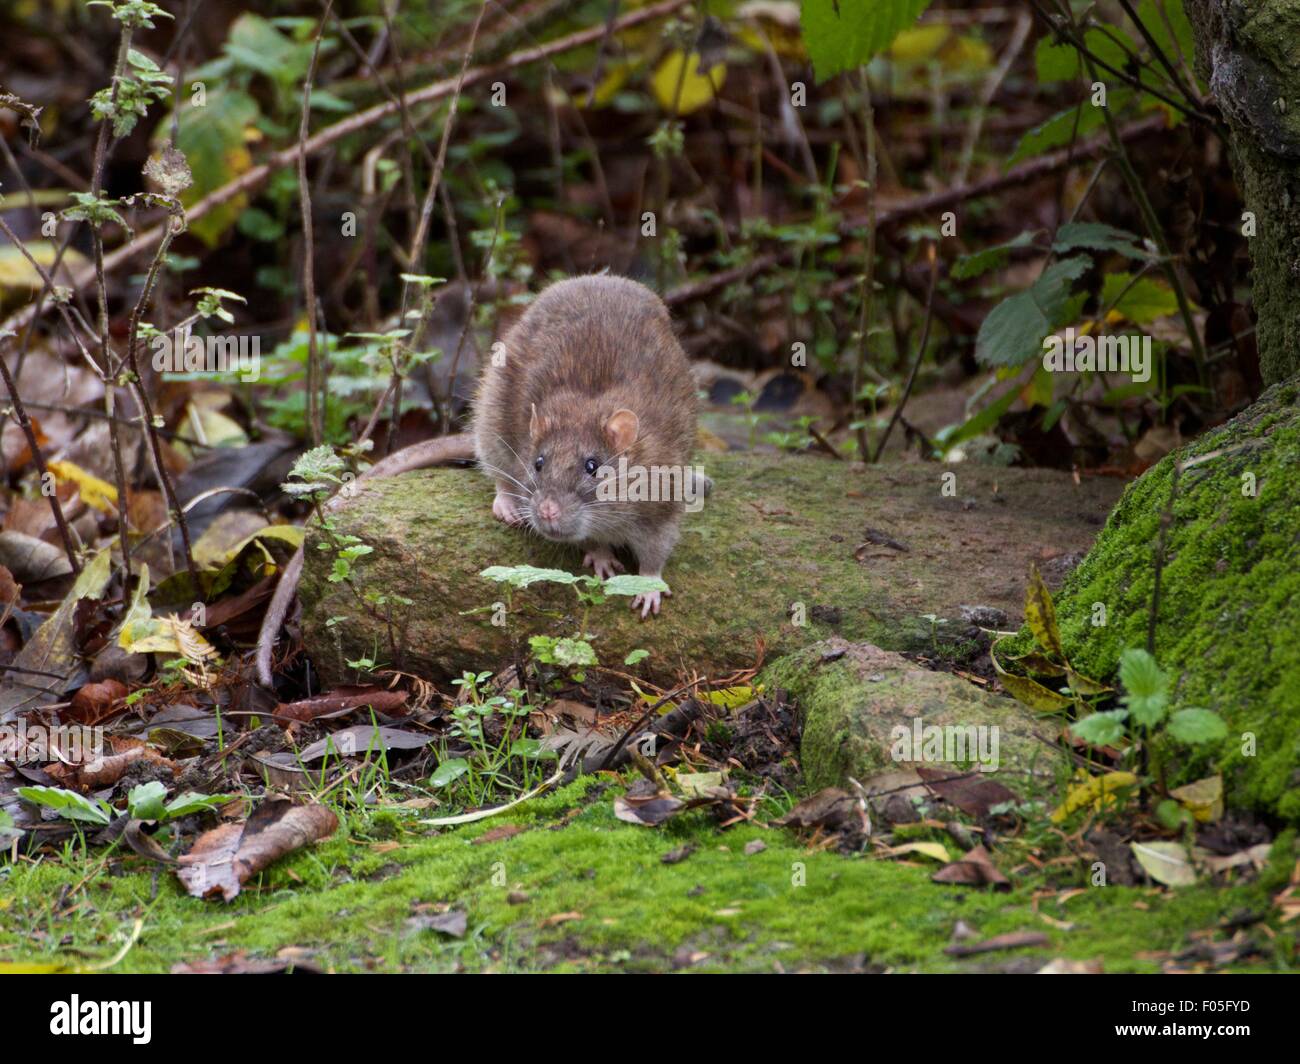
(1249, 53)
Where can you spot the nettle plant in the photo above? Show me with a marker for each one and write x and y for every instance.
(314, 477)
(575, 651)
(500, 757)
(1141, 728)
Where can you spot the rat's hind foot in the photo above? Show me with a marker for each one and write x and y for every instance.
(504, 508)
(602, 560)
(649, 602)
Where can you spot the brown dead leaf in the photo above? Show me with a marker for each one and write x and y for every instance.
(340, 700)
(505, 831)
(110, 767)
(560, 918)
(223, 859)
(975, 869)
(830, 808)
(96, 702)
(973, 793)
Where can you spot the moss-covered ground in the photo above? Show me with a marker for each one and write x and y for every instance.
(346, 902)
(1228, 620)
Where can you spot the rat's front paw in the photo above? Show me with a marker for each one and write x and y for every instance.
(504, 509)
(602, 560)
(649, 603)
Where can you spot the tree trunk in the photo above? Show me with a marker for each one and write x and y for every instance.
(1249, 53)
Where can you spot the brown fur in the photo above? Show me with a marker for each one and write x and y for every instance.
(586, 352)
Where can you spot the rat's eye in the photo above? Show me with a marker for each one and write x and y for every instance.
(541, 461)
(591, 466)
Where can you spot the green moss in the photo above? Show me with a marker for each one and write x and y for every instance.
(742, 912)
(852, 703)
(1229, 612)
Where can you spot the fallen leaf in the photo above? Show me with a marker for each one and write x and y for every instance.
(1165, 862)
(973, 793)
(1203, 799)
(560, 918)
(975, 869)
(223, 859)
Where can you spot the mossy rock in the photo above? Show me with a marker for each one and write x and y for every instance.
(1229, 611)
(774, 545)
(854, 695)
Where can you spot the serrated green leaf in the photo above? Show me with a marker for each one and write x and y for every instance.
(1193, 726)
(523, 575)
(1100, 729)
(1145, 300)
(1097, 236)
(1058, 130)
(627, 584)
(844, 34)
(980, 262)
(1013, 332)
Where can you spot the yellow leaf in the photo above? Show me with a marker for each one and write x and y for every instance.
(615, 78)
(934, 850)
(680, 87)
(1040, 614)
(1203, 799)
(732, 697)
(918, 44)
(17, 274)
(96, 493)
(1096, 792)
(1030, 692)
(967, 54)
(165, 635)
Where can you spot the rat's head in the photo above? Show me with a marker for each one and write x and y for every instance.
(565, 468)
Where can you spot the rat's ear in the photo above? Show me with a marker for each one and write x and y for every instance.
(538, 426)
(621, 429)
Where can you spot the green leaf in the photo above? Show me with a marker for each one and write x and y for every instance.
(212, 138)
(1161, 16)
(145, 802)
(980, 262)
(191, 802)
(1193, 726)
(448, 772)
(1144, 302)
(636, 657)
(1060, 128)
(1147, 687)
(1100, 729)
(633, 585)
(1097, 236)
(1013, 332)
(569, 652)
(68, 804)
(524, 575)
(844, 34)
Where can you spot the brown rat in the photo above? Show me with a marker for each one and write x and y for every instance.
(585, 419)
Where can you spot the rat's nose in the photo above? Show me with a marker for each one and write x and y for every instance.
(548, 510)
